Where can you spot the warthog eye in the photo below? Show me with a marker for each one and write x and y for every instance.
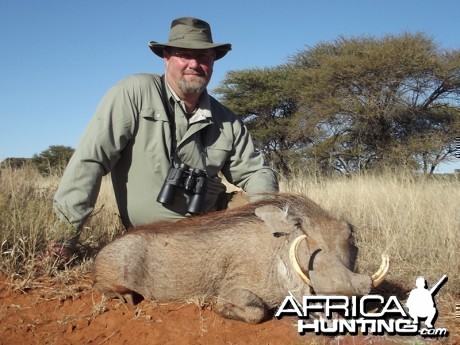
(298, 222)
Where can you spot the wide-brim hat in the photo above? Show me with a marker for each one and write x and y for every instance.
(190, 33)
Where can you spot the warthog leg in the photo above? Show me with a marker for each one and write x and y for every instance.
(112, 291)
(241, 304)
(126, 298)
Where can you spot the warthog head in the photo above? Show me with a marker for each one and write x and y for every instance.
(322, 253)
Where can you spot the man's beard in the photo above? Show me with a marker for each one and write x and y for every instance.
(196, 86)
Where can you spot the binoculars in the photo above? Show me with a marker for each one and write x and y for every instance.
(193, 181)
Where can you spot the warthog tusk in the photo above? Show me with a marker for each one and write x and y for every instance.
(294, 259)
(379, 276)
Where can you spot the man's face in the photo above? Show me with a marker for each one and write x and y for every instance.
(189, 71)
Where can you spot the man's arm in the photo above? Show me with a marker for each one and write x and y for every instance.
(107, 134)
(247, 168)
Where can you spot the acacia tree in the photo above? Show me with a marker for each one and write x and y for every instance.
(261, 98)
(390, 101)
(53, 160)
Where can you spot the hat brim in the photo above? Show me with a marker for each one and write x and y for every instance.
(220, 49)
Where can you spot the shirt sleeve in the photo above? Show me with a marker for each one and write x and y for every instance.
(106, 135)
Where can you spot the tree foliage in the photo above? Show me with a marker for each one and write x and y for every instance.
(355, 104)
(53, 160)
(391, 101)
(14, 163)
(261, 97)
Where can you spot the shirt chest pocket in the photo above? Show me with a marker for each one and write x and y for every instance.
(153, 135)
(216, 155)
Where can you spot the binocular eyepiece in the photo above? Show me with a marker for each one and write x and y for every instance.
(193, 181)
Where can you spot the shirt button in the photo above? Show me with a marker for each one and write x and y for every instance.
(157, 115)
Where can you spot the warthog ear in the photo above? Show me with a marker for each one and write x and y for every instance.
(274, 218)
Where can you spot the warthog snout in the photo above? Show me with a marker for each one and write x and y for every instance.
(329, 274)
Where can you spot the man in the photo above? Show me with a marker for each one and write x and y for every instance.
(150, 131)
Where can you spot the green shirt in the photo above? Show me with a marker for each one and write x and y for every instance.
(130, 137)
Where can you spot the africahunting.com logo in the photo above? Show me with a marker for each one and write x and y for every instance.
(320, 314)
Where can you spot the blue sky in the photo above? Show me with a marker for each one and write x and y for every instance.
(58, 58)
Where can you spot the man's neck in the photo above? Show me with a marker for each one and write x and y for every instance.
(191, 103)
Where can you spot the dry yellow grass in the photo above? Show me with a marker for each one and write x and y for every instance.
(414, 220)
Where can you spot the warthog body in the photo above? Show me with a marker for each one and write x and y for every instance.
(240, 256)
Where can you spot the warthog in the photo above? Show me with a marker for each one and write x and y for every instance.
(248, 258)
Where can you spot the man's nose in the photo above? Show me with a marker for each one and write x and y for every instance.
(193, 62)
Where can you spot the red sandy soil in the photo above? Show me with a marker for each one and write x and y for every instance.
(71, 312)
